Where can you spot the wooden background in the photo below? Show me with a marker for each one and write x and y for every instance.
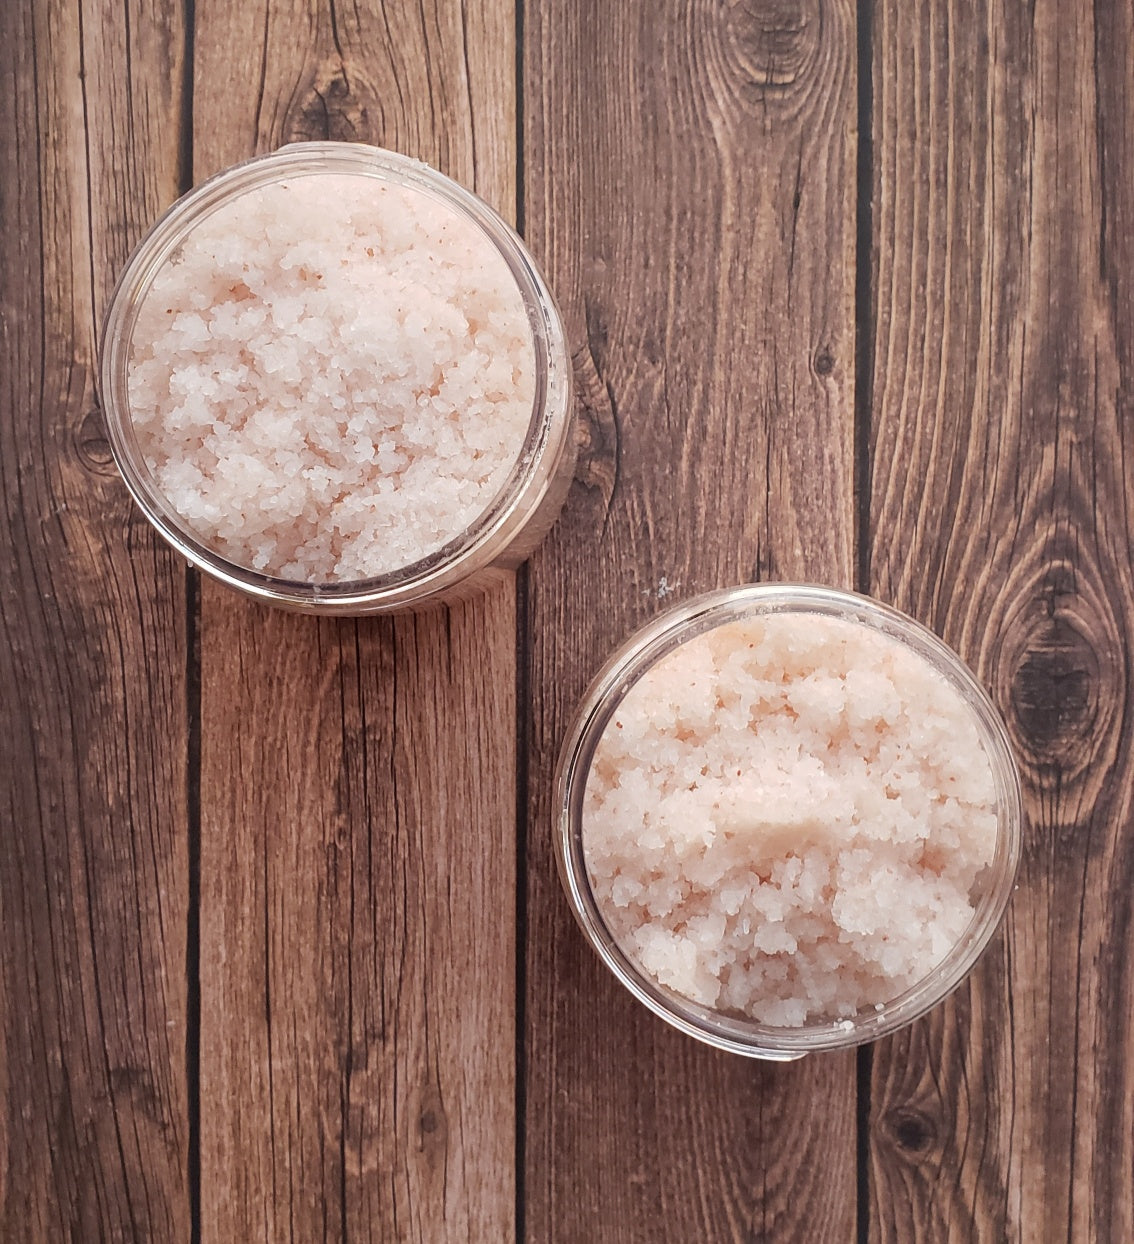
(282, 951)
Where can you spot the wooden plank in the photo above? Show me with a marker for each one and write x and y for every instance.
(690, 184)
(94, 1112)
(358, 778)
(1001, 515)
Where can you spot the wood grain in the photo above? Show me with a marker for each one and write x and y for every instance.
(689, 185)
(358, 778)
(690, 181)
(93, 833)
(1003, 482)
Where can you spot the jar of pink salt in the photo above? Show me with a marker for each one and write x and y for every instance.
(788, 819)
(335, 380)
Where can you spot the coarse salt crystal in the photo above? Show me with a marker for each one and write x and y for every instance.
(333, 379)
(788, 818)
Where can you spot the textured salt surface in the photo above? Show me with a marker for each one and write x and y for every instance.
(332, 378)
(786, 818)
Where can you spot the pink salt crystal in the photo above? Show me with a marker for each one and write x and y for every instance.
(788, 819)
(333, 378)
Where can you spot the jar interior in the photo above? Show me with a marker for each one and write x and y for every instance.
(623, 672)
(479, 541)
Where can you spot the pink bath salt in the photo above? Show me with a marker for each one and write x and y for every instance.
(788, 818)
(332, 377)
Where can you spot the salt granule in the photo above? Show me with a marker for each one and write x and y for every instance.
(332, 377)
(788, 818)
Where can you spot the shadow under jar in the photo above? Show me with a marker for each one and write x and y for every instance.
(788, 819)
(335, 380)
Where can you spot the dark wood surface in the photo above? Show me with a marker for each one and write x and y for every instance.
(283, 955)
(1002, 440)
(702, 246)
(95, 1102)
(358, 789)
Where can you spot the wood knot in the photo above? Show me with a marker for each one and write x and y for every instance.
(358, 1055)
(336, 106)
(91, 445)
(1061, 672)
(597, 428)
(432, 1121)
(135, 1084)
(913, 1132)
(598, 333)
(824, 362)
(771, 43)
(1055, 690)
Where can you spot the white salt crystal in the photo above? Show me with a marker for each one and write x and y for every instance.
(334, 379)
(787, 818)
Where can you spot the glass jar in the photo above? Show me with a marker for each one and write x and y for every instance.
(735, 1032)
(504, 533)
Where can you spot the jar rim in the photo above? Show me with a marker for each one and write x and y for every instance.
(641, 652)
(490, 533)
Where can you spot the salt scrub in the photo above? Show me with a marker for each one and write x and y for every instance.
(786, 818)
(332, 377)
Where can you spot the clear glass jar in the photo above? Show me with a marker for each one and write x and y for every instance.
(515, 520)
(645, 649)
